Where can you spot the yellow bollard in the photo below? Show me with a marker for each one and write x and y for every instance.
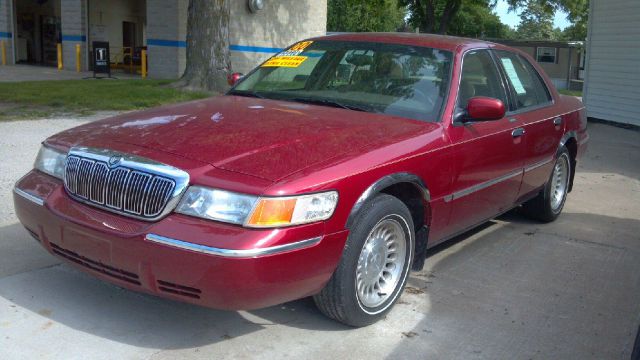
(143, 62)
(4, 52)
(78, 65)
(59, 46)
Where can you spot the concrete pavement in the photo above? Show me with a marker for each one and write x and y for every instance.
(512, 289)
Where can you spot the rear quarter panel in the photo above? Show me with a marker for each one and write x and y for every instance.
(576, 122)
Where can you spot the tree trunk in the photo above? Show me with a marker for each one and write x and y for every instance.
(208, 61)
(430, 16)
(450, 10)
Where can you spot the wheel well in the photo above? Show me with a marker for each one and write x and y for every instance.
(412, 197)
(572, 146)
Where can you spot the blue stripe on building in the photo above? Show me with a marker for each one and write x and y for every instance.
(76, 38)
(5, 35)
(169, 43)
(258, 49)
(243, 48)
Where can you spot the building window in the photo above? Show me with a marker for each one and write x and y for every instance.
(546, 54)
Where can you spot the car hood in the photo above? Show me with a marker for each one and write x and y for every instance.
(264, 138)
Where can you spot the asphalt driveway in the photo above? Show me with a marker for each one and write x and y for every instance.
(512, 289)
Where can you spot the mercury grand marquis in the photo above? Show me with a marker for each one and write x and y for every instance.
(327, 171)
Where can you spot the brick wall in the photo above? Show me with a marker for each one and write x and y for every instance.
(166, 37)
(74, 32)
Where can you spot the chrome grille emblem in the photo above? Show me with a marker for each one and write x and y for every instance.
(114, 161)
(125, 184)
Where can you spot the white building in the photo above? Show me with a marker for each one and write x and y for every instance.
(31, 30)
(611, 90)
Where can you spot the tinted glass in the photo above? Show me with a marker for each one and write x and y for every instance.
(525, 81)
(392, 79)
(479, 78)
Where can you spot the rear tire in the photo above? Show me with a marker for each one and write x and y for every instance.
(548, 204)
(374, 266)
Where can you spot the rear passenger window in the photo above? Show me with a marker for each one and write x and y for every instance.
(479, 77)
(525, 81)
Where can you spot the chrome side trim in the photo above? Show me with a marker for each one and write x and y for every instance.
(28, 196)
(230, 253)
(537, 165)
(470, 190)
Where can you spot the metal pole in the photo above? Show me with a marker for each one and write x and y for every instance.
(59, 47)
(78, 56)
(143, 60)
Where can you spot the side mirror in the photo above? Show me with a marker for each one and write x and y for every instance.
(482, 108)
(233, 79)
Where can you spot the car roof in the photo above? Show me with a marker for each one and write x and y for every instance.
(444, 42)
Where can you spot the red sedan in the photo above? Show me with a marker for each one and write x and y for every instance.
(328, 171)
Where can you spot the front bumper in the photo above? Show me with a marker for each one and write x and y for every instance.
(180, 257)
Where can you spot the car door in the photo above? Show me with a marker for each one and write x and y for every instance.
(534, 109)
(486, 155)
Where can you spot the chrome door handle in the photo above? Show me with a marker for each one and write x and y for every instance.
(517, 132)
(557, 121)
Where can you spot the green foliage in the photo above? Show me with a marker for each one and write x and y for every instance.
(536, 23)
(469, 18)
(575, 32)
(434, 16)
(365, 15)
(476, 19)
(577, 10)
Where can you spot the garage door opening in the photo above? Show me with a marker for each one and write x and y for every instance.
(38, 30)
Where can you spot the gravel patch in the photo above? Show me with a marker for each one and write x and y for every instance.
(19, 145)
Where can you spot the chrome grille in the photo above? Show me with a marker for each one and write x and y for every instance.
(128, 188)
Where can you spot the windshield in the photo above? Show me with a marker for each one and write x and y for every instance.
(401, 80)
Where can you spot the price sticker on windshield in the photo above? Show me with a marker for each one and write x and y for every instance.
(290, 57)
(296, 49)
(285, 61)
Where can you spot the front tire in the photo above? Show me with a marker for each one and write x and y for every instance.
(374, 266)
(548, 204)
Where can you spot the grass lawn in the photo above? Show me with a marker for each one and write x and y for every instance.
(37, 99)
(571, 92)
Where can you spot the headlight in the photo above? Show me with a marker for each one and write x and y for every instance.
(216, 204)
(252, 211)
(51, 162)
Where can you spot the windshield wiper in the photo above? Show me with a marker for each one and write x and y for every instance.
(247, 94)
(329, 102)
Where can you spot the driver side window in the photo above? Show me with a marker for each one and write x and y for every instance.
(479, 78)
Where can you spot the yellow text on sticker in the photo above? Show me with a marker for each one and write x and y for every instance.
(285, 61)
(300, 46)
